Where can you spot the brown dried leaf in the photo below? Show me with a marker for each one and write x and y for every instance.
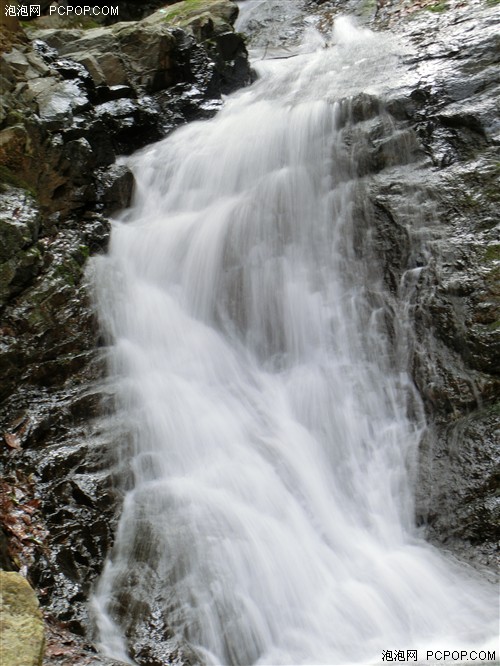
(9, 520)
(19, 531)
(58, 651)
(32, 506)
(7, 330)
(12, 440)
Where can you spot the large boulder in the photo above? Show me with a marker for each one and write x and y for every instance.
(80, 97)
(22, 641)
(144, 54)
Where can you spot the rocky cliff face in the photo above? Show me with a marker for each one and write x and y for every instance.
(437, 217)
(73, 100)
(428, 156)
(430, 160)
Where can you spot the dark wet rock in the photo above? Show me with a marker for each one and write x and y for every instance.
(53, 311)
(48, 364)
(116, 185)
(6, 561)
(110, 93)
(436, 224)
(459, 508)
(141, 612)
(77, 491)
(429, 155)
(131, 123)
(20, 253)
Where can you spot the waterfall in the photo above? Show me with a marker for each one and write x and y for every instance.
(261, 367)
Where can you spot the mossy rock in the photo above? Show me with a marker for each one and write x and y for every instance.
(22, 637)
(492, 252)
(184, 12)
(437, 7)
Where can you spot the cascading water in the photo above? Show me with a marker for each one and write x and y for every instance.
(270, 520)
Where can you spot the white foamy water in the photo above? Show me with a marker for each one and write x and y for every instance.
(273, 454)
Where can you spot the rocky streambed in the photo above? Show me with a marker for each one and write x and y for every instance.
(73, 100)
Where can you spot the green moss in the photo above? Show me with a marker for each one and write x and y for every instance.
(184, 9)
(8, 177)
(68, 273)
(84, 250)
(492, 193)
(437, 7)
(492, 3)
(368, 7)
(469, 201)
(15, 117)
(492, 252)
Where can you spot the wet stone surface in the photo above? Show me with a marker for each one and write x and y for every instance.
(433, 172)
(452, 111)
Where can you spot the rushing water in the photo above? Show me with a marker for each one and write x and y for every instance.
(273, 422)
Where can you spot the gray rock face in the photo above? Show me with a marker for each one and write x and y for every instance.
(451, 186)
(433, 172)
(20, 254)
(116, 88)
